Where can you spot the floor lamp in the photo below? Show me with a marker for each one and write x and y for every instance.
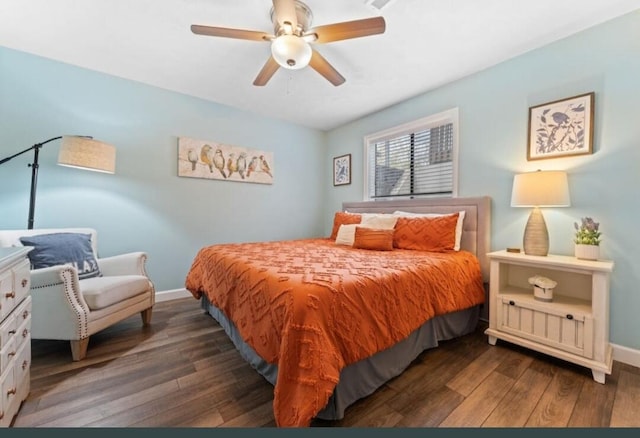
(82, 152)
(539, 189)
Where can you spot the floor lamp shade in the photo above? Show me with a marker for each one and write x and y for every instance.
(87, 153)
(539, 189)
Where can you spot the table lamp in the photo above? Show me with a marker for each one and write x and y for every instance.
(539, 189)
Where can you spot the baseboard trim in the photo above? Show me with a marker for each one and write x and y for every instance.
(173, 294)
(626, 355)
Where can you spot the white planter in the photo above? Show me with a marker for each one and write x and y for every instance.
(587, 252)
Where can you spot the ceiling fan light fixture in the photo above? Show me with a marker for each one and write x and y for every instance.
(291, 52)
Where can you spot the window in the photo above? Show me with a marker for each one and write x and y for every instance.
(415, 159)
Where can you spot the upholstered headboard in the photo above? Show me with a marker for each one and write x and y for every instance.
(476, 229)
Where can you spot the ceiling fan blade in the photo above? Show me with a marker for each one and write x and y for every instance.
(285, 11)
(349, 29)
(270, 67)
(241, 34)
(322, 66)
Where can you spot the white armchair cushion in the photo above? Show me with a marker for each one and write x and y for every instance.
(101, 292)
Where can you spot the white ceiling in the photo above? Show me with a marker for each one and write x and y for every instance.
(427, 43)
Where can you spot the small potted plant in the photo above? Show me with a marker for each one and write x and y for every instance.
(587, 239)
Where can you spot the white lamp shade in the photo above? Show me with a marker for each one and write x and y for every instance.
(291, 52)
(540, 189)
(86, 153)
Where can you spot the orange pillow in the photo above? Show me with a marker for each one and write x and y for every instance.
(342, 218)
(371, 238)
(426, 233)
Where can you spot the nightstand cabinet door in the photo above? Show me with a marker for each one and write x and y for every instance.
(572, 332)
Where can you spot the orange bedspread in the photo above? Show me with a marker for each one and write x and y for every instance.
(312, 307)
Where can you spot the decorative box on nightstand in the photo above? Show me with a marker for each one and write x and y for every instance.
(574, 326)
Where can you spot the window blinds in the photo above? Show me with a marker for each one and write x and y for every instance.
(412, 163)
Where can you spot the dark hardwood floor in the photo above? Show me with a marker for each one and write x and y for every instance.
(182, 371)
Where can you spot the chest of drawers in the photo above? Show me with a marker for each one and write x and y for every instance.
(15, 331)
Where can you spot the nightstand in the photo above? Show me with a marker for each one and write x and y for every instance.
(574, 326)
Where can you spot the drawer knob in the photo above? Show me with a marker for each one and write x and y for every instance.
(25, 314)
(24, 282)
(25, 333)
(12, 332)
(10, 295)
(11, 354)
(512, 303)
(569, 316)
(12, 391)
(25, 364)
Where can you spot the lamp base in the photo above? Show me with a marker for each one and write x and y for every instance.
(536, 236)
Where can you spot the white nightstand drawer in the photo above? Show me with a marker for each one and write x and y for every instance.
(568, 331)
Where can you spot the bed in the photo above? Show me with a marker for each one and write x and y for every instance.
(328, 324)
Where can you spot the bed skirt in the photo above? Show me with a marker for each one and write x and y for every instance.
(362, 378)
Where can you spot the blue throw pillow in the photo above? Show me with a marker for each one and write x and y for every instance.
(63, 249)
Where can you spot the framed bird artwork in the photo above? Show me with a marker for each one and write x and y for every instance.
(342, 170)
(212, 160)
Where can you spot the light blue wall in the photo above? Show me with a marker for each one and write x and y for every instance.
(145, 205)
(493, 109)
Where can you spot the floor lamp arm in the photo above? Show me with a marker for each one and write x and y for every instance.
(34, 175)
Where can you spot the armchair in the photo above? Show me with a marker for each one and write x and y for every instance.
(66, 307)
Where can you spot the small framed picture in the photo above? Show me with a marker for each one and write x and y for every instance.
(342, 170)
(561, 128)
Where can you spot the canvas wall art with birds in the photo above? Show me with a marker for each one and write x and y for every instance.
(211, 160)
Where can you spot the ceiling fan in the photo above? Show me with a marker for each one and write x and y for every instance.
(291, 41)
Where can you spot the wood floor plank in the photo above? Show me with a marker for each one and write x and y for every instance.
(431, 409)
(516, 406)
(625, 411)
(475, 409)
(210, 418)
(558, 401)
(516, 361)
(470, 377)
(360, 408)
(380, 416)
(595, 402)
(260, 416)
(434, 375)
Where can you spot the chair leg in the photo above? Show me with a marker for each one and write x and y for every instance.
(146, 316)
(79, 349)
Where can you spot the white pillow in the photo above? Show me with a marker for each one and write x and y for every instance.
(380, 221)
(458, 224)
(346, 234)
